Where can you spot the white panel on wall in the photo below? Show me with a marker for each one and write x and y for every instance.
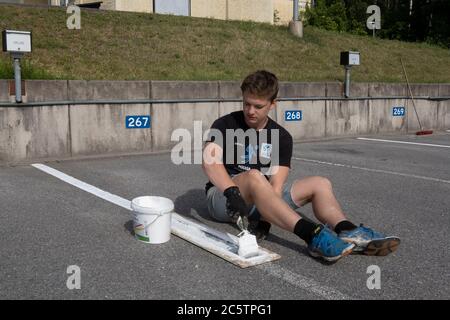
(176, 7)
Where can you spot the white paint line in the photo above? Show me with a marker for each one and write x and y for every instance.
(84, 186)
(276, 271)
(303, 282)
(406, 142)
(373, 170)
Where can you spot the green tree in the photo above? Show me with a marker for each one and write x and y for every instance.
(407, 20)
(328, 14)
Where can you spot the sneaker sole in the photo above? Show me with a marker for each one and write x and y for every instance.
(381, 247)
(346, 252)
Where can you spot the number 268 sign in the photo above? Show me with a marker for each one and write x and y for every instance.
(293, 115)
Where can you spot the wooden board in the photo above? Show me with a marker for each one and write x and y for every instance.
(224, 245)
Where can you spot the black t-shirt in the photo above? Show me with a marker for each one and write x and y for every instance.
(245, 148)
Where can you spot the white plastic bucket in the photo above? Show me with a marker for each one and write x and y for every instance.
(152, 218)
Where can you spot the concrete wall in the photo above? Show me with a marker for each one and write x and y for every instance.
(168, 117)
(313, 123)
(4, 90)
(109, 5)
(45, 90)
(444, 107)
(380, 119)
(134, 5)
(344, 118)
(33, 133)
(99, 129)
(285, 10)
(251, 10)
(302, 89)
(216, 9)
(64, 131)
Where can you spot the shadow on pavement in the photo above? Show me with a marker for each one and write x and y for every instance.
(193, 200)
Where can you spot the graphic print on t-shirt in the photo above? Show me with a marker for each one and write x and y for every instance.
(250, 152)
(266, 150)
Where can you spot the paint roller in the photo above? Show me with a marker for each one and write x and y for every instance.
(248, 247)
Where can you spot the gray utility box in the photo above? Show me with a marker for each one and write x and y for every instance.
(350, 58)
(16, 41)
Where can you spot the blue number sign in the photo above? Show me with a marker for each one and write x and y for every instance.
(293, 115)
(398, 111)
(137, 122)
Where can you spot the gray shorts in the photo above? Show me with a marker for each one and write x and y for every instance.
(217, 203)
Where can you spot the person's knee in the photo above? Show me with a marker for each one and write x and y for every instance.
(322, 183)
(255, 177)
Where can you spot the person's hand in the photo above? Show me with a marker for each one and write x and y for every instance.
(236, 205)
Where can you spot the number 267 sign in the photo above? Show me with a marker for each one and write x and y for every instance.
(137, 122)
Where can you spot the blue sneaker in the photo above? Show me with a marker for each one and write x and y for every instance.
(370, 242)
(328, 246)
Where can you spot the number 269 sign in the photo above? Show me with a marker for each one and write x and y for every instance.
(398, 111)
(137, 122)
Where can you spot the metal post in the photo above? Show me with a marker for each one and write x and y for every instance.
(296, 26)
(17, 77)
(347, 81)
(295, 16)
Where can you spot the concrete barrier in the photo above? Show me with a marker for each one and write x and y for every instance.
(229, 90)
(444, 107)
(100, 129)
(32, 133)
(4, 90)
(108, 90)
(381, 120)
(359, 89)
(334, 89)
(344, 118)
(424, 89)
(45, 90)
(313, 123)
(62, 131)
(301, 90)
(444, 90)
(168, 117)
(427, 111)
(387, 89)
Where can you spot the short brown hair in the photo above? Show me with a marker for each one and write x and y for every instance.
(262, 84)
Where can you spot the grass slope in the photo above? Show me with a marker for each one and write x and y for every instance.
(137, 46)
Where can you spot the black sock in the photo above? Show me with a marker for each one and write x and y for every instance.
(306, 230)
(344, 226)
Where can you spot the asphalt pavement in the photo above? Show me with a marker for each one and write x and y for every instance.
(401, 189)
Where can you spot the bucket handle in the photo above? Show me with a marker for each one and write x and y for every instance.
(157, 216)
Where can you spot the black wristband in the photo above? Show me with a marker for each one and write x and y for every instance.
(231, 190)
